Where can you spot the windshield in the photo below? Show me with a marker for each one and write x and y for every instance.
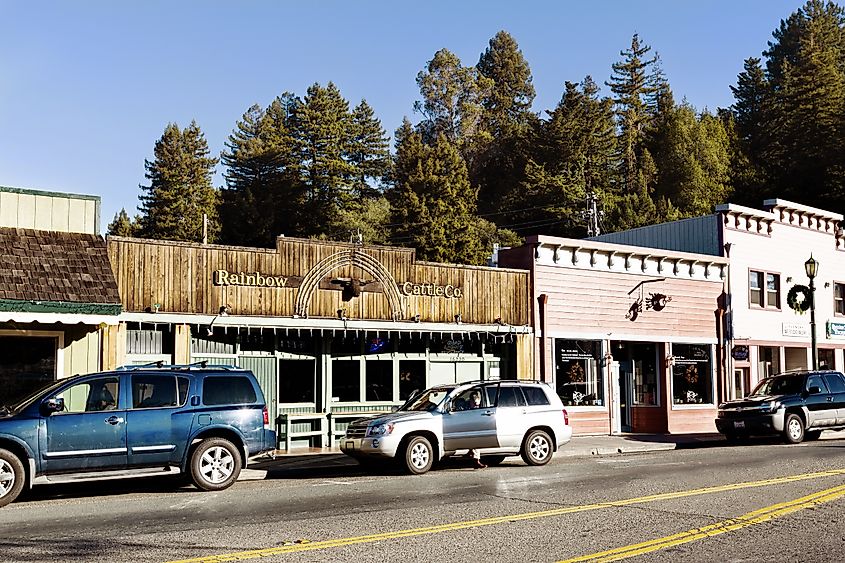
(26, 402)
(428, 400)
(782, 385)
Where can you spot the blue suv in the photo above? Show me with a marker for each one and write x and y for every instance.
(198, 420)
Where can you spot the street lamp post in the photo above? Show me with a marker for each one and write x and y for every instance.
(811, 267)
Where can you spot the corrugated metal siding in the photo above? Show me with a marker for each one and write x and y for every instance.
(698, 234)
(265, 369)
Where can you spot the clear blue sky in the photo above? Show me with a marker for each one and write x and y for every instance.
(86, 88)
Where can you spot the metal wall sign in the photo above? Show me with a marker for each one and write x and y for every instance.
(740, 352)
(795, 329)
(835, 330)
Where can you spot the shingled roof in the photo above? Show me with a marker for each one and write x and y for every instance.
(47, 271)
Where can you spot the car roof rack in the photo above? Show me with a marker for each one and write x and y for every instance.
(177, 367)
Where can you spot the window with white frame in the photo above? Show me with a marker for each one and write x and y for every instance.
(763, 289)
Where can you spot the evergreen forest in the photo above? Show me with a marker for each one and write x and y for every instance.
(478, 165)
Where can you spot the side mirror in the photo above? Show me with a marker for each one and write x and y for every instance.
(815, 390)
(51, 405)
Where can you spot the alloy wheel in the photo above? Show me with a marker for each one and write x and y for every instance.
(419, 455)
(539, 447)
(217, 464)
(7, 477)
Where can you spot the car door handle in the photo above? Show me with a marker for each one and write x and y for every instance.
(830, 399)
(487, 413)
(113, 420)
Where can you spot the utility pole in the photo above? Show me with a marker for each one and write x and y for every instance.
(592, 216)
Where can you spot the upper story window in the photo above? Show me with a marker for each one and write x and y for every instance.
(763, 289)
(839, 298)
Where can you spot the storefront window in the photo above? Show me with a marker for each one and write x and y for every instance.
(346, 380)
(379, 380)
(768, 361)
(411, 377)
(296, 381)
(691, 374)
(27, 363)
(579, 381)
(825, 358)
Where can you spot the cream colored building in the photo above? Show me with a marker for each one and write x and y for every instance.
(767, 249)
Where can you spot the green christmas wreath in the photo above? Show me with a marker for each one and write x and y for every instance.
(799, 305)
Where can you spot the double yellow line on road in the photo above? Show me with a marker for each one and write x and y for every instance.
(729, 525)
(340, 542)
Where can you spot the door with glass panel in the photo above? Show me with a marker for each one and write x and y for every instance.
(627, 370)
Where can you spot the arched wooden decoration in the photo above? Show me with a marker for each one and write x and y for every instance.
(357, 259)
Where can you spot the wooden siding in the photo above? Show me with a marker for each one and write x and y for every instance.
(595, 301)
(589, 422)
(82, 350)
(178, 277)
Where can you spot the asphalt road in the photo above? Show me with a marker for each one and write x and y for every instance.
(763, 501)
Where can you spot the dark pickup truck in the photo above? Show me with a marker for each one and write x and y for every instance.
(798, 405)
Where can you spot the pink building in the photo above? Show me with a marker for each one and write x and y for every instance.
(630, 337)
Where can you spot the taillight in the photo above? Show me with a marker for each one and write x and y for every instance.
(267, 415)
(565, 417)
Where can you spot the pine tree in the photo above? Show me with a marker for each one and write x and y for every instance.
(805, 68)
(573, 156)
(180, 191)
(324, 137)
(633, 85)
(262, 193)
(508, 123)
(368, 152)
(432, 203)
(747, 134)
(122, 225)
(452, 103)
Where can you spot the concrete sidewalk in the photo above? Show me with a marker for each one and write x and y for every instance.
(329, 461)
(579, 446)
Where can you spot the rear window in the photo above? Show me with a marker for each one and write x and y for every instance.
(155, 391)
(535, 396)
(510, 397)
(227, 390)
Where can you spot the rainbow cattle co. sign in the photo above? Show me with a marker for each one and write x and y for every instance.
(253, 279)
(432, 290)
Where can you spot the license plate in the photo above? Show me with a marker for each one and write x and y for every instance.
(739, 424)
(350, 445)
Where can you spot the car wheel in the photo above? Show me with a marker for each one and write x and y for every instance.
(793, 429)
(215, 464)
(11, 477)
(492, 459)
(812, 435)
(419, 455)
(537, 448)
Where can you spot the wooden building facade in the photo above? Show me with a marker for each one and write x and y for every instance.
(327, 327)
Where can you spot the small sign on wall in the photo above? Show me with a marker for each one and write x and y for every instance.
(740, 353)
(835, 330)
(795, 329)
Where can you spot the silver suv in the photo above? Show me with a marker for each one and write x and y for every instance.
(513, 418)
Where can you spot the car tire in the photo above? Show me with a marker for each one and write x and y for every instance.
(492, 460)
(793, 429)
(537, 448)
(419, 455)
(215, 464)
(12, 476)
(812, 435)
